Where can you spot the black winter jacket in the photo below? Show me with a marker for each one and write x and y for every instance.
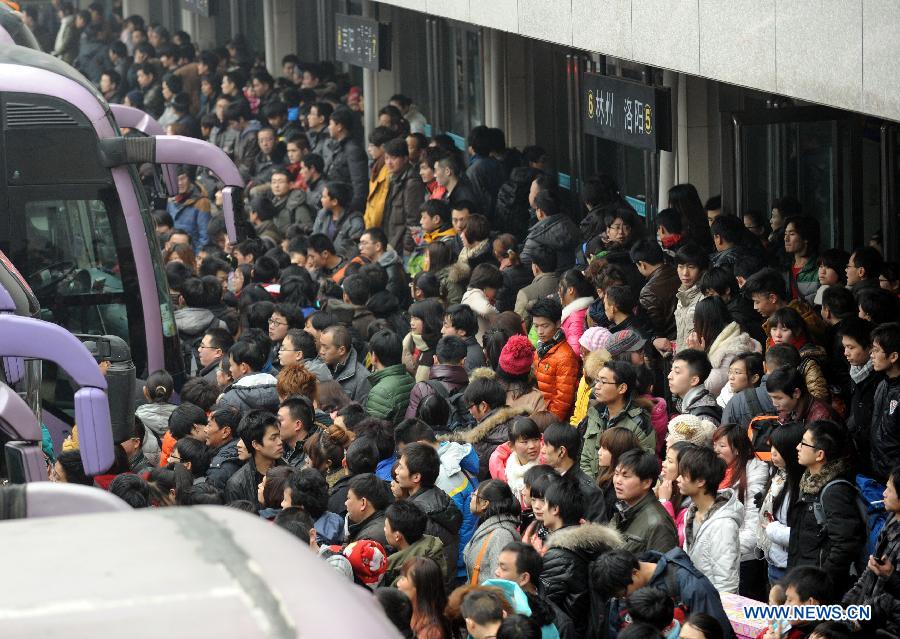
(859, 418)
(243, 484)
(882, 593)
(834, 546)
(886, 428)
(371, 528)
(557, 233)
(565, 578)
(346, 161)
(406, 191)
(444, 521)
(223, 465)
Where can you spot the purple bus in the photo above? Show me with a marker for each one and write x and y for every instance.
(74, 218)
(14, 31)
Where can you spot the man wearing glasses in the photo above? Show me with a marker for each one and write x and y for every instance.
(212, 348)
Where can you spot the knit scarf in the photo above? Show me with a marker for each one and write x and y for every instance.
(671, 240)
(859, 373)
(515, 475)
(544, 347)
(469, 251)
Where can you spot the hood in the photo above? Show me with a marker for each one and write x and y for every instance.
(730, 342)
(255, 379)
(388, 258)
(513, 593)
(588, 538)
(155, 416)
(439, 508)
(726, 506)
(342, 311)
(451, 455)
(483, 430)
(253, 127)
(576, 305)
(455, 375)
(483, 372)
(194, 321)
(459, 273)
(556, 231)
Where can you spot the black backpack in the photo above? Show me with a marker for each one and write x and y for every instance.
(862, 506)
(460, 417)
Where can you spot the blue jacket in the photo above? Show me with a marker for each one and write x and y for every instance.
(457, 478)
(192, 217)
(329, 529)
(383, 470)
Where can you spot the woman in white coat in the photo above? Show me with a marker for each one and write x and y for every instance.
(712, 526)
(747, 476)
(721, 338)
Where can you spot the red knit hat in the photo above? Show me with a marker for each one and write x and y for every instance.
(369, 561)
(517, 356)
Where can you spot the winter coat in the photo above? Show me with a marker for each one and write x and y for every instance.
(558, 374)
(474, 354)
(885, 428)
(492, 535)
(428, 546)
(92, 58)
(337, 496)
(809, 409)
(156, 419)
(67, 40)
(742, 312)
(475, 299)
(675, 570)
(807, 280)
(390, 392)
(295, 208)
(730, 343)
(544, 285)
(244, 483)
(246, 148)
(459, 466)
(658, 297)
(224, 464)
(378, 190)
(757, 476)
(882, 593)
(633, 417)
(645, 526)
(398, 282)
(444, 522)
(318, 368)
(712, 545)
(487, 176)
(256, 390)
(191, 216)
(834, 546)
(406, 192)
(572, 324)
(485, 436)
(192, 323)
(329, 529)
(568, 554)
(700, 402)
(812, 360)
(815, 325)
(344, 233)
(353, 378)
(515, 278)
(346, 161)
(860, 414)
(453, 378)
(738, 410)
(371, 528)
(532, 401)
(418, 356)
(557, 233)
(774, 537)
(684, 313)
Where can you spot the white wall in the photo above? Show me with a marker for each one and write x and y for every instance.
(842, 53)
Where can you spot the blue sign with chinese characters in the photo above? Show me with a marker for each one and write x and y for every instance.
(628, 112)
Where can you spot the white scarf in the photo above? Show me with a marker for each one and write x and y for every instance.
(860, 373)
(515, 474)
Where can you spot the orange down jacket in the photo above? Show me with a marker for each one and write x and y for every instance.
(558, 373)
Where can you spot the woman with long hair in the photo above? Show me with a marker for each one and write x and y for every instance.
(421, 580)
(773, 531)
(438, 259)
(181, 253)
(498, 511)
(721, 338)
(426, 318)
(694, 225)
(787, 327)
(325, 455)
(493, 342)
(746, 475)
(614, 442)
(667, 491)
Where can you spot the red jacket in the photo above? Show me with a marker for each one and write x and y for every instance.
(558, 373)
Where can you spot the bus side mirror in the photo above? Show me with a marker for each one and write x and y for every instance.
(236, 224)
(95, 440)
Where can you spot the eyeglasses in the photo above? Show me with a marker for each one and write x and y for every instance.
(617, 227)
(275, 322)
(211, 348)
(288, 350)
(606, 381)
(174, 460)
(803, 443)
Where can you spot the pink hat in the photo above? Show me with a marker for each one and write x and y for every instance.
(517, 356)
(594, 338)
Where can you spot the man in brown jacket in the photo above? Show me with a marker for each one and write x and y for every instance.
(545, 283)
(406, 192)
(658, 296)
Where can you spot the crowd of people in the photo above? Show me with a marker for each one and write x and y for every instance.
(507, 414)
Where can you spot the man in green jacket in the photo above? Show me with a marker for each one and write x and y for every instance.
(644, 523)
(614, 390)
(391, 383)
(404, 529)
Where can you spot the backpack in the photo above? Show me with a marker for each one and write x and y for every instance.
(862, 506)
(512, 212)
(460, 417)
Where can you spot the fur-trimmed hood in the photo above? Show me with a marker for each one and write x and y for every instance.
(731, 342)
(482, 372)
(459, 273)
(482, 431)
(587, 538)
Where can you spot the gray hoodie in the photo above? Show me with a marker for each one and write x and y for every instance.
(156, 422)
(256, 390)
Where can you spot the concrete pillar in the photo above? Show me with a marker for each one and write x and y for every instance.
(136, 7)
(202, 30)
(279, 21)
(494, 79)
(369, 97)
(667, 169)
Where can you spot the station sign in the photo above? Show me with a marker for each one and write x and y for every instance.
(627, 112)
(362, 42)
